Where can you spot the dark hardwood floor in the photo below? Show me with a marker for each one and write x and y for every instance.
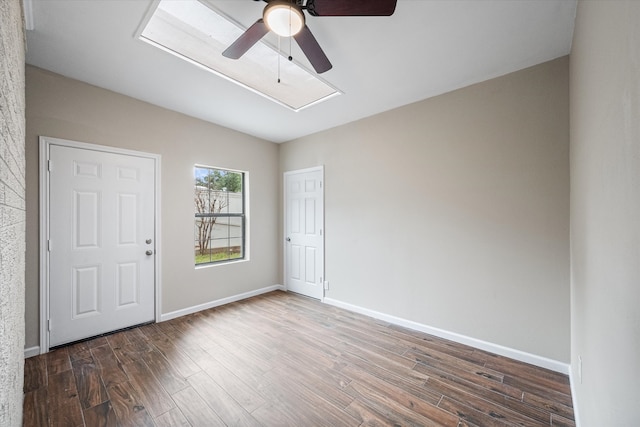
(284, 360)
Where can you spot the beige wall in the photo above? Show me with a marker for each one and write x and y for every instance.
(12, 212)
(605, 212)
(454, 212)
(64, 108)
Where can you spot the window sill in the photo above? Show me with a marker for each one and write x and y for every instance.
(219, 264)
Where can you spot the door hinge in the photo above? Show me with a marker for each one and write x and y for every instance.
(49, 166)
(49, 325)
(49, 245)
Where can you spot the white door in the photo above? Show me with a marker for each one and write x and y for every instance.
(101, 248)
(304, 240)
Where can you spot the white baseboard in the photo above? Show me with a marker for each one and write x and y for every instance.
(31, 351)
(522, 356)
(219, 302)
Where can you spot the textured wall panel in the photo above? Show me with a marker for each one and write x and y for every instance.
(12, 212)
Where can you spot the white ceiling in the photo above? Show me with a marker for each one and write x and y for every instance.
(428, 47)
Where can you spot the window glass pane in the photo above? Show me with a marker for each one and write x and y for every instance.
(235, 247)
(221, 228)
(201, 246)
(235, 226)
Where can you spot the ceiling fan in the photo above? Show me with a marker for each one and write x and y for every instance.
(286, 19)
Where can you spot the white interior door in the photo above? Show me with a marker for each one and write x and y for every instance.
(304, 222)
(101, 248)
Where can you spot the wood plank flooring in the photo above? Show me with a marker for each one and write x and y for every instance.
(284, 360)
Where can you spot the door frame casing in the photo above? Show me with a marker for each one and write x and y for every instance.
(284, 225)
(45, 143)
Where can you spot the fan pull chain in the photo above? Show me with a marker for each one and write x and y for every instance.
(290, 37)
(290, 57)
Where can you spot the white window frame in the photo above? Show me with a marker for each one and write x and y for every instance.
(244, 215)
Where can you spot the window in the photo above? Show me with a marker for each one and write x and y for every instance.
(219, 215)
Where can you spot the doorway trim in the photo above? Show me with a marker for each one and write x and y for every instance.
(45, 143)
(284, 224)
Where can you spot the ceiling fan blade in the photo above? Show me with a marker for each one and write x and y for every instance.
(250, 37)
(312, 50)
(351, 7)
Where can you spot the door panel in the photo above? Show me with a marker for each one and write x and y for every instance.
(127, 206)
(127, 285)
(310, 264)
(86, 291)
(86, 220)
(101, 213)
(304, 252)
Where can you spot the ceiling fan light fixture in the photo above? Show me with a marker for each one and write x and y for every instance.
(283, 18)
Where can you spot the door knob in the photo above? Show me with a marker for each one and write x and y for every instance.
(149, 252)
(148, 241)
(288, 239)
